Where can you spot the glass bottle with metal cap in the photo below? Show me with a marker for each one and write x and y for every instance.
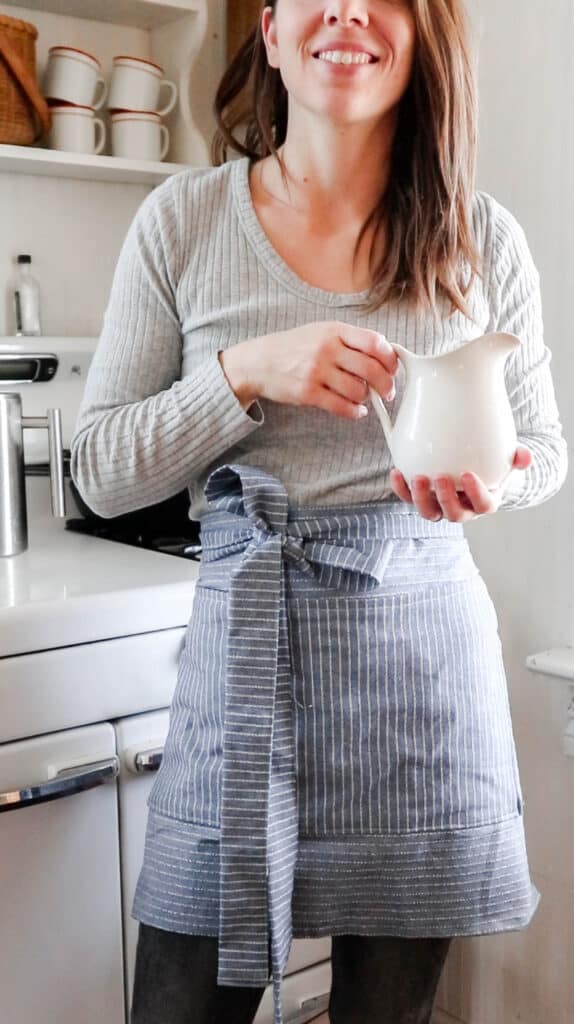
(26, 299)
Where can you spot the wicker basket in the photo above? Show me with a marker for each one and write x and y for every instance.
(24, 113)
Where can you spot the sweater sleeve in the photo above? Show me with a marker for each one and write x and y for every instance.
(142, 432)
(516, 307)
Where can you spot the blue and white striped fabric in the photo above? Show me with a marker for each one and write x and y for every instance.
(340, 755)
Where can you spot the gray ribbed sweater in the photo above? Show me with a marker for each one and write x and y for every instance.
(197, 274)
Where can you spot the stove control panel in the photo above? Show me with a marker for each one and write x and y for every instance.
(48, 373)
(26, 369)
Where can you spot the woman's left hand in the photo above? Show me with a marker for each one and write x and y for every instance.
(438, 499)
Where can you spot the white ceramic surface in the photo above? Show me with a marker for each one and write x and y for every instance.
(74, 76)
(139, 136)
(454, 416)
(136, 85)
(76, 130)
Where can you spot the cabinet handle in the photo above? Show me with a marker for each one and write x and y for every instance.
(309, 1009)
(148, 760)
(67, 782)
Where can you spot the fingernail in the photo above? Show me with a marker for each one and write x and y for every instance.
(363, 411)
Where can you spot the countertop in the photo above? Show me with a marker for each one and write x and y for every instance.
(70, 588)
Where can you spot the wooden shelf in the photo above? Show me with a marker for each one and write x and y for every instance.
(56, 163)
(146, 14)
(558, 661)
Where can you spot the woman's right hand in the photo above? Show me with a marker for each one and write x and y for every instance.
(328, 365)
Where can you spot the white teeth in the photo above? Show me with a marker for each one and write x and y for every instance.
(345, 57)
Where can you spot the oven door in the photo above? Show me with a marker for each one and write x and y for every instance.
(60, 906)
(140, 741)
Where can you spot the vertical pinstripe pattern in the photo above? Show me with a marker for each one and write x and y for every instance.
(342, 681)
(258, 803)
(441, 757)
(283, 817)
(249, 713)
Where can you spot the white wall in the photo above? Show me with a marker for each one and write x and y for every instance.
(527, 557)
(74, 229)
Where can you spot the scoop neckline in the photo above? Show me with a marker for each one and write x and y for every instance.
(274, 263)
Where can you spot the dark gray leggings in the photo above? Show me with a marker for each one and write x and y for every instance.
(376, 980)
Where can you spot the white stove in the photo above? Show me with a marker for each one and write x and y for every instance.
(90, 634)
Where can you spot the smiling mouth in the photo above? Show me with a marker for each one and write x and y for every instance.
(345, 57)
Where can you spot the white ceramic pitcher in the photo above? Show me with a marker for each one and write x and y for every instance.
(455, 415)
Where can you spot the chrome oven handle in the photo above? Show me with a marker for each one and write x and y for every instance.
(67, 783)
(148, 760)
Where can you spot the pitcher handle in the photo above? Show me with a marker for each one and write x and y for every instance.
(378, 401)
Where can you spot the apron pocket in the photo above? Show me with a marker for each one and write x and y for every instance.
(401, 712)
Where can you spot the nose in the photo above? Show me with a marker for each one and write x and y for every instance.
(346, 12)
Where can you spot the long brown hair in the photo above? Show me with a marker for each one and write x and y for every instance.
(426, 210)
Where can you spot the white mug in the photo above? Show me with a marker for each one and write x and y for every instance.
(76, 130)
(74, 76)
(139, 135)
(136, 85)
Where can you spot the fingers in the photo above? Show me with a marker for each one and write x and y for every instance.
(522, 458)
(332, 390)
(422, 495)
(330, 401)
(426, 499)
(369, 343)
(400, 487)
(346, 384)
(345, 372)
(459, 506)
(369, 371)
(439, 499)
(328, 365)
(375, 362)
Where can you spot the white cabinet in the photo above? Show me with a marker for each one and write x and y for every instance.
(169, 32)
(60, 917)
(73, 812)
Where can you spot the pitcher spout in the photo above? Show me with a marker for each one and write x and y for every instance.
(507, 342)
(500, 342)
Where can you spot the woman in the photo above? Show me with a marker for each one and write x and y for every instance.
(340, 758)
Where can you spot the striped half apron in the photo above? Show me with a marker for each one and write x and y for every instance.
(340, 756)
